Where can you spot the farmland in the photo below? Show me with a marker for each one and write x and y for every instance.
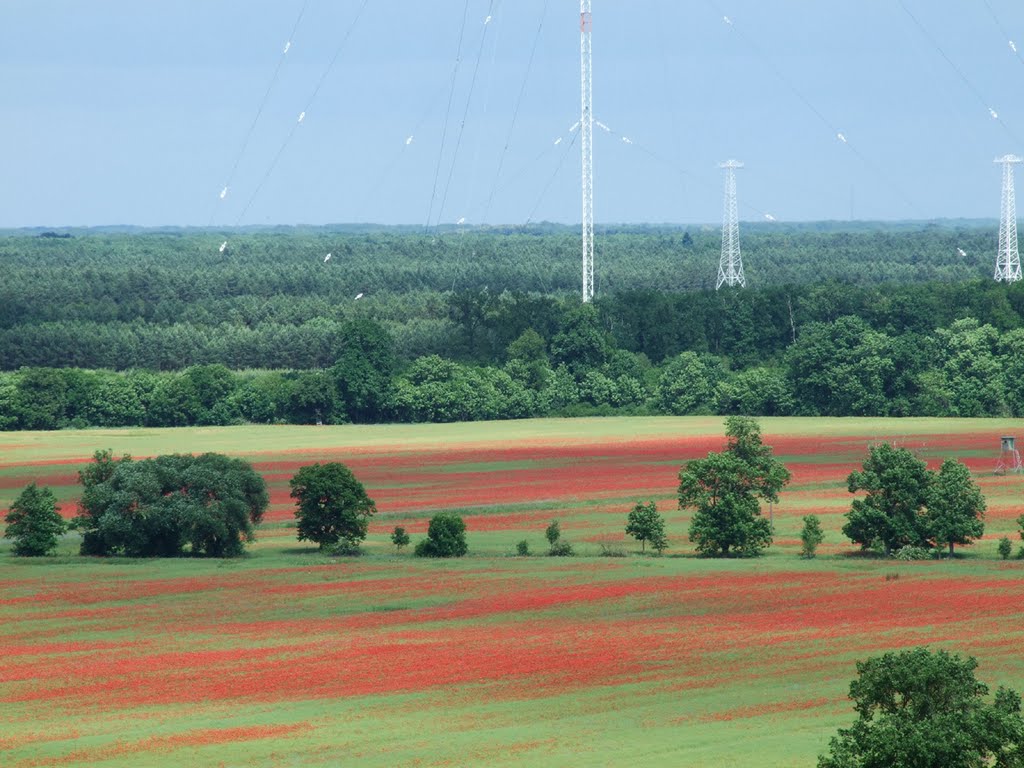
(288, 657)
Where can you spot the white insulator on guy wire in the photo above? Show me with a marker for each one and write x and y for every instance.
(1008, 258)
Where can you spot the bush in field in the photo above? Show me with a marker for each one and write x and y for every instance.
(645, 524)
(558, 547)
(33, 522)
(1004, 548)
(922, 708)
(331, 505)
(911, 552)
(523, 548)
(553, 532)
(811, 536)
(399, 537)
(162, 507)
(724, 489)
(446, 537)
(561, 549)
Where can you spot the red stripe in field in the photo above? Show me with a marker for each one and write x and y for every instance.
(530, 639)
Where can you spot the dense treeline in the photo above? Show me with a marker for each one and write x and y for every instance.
(165, 330)
(167, 301)
(839, 368)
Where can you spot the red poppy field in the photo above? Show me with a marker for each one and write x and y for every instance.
(288, 657)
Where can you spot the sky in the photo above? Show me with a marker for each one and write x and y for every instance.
(142, 111)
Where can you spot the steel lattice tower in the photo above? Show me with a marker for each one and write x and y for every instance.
(1008, 259)
(730, 268)
(587, 139)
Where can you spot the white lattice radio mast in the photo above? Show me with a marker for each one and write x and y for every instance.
(730, 267)
(1008, 259)
(587, 139)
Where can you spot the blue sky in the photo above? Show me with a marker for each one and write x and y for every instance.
(135, 111)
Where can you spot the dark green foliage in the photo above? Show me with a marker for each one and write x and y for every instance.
(162, 507)
(657, 339)
(523, 548)
(446, 537)
(811, 536)
(561, 548)
(898, 486)
(554, 532)
(580, 345)
(399, 538)
(645, 524)
(686, 385)
(1004, 548)
(558, 547)
(331, 505)
(33, 522)
(955, 506)
(925, 709)
(724, 489)
(363, 371)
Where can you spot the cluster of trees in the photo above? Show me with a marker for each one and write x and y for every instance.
(909, 505)
(206, 505)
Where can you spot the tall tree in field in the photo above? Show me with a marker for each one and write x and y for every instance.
(331, 505)
(898, 485)
(955, 506)
(724, 489)
(33, 522)
(925, 709)
(645, 524)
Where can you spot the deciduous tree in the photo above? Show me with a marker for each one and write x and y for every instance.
(33, 522)
(811, 536)
(925, 709)
(645, 524)
(955, 506)
(724, 489)
(898, 485)
(331, 505)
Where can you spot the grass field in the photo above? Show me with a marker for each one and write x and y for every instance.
(286, 657)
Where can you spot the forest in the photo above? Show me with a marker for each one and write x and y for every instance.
(182, 327)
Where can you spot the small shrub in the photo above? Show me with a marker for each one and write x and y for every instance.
(446, 537)
(561, 549)
(399, 538)
(344, 549)
(911, 552)
(811, 536)
(1020, 553)
(553, 533)
(892, 576)
(523, 548)
(1005, 548)
(609, 549)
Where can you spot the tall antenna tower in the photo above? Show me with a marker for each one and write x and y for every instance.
(587, 139)
(1008, 259)
(730, 268)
